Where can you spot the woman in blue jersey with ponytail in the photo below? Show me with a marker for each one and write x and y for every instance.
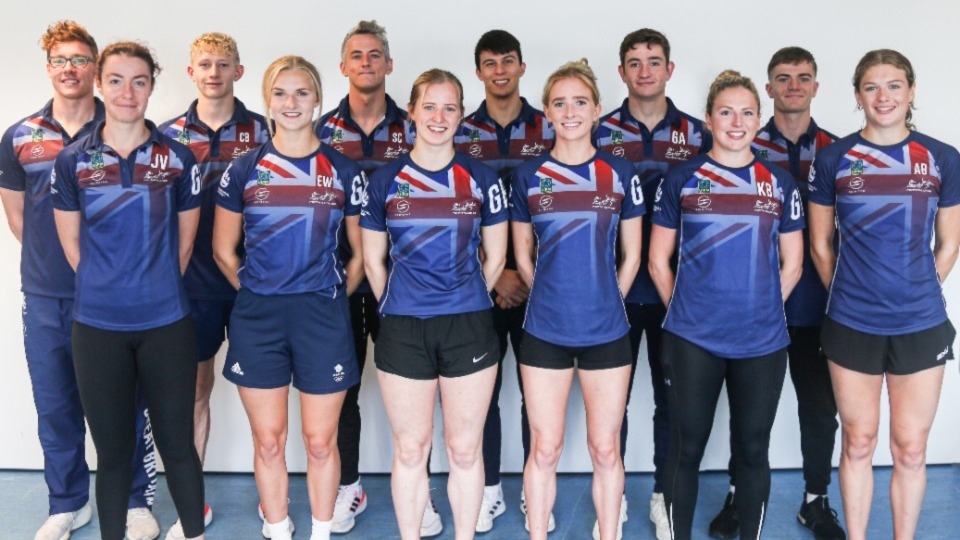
(736, 222)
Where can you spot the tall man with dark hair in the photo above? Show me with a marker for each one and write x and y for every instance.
(650, 131)
(791, 140)
(503, 132)
(27, 153)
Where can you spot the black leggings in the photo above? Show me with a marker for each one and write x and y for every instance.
(109, 366)
(694, 379)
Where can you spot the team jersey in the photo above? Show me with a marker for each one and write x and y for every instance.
(727, 296)
(886, 199)
(575, 211)
(433, 220)
(392, 138)
(128, 278)
(213, 150)
(293, 210)
(27, 153)
(503, 148)
(808, 301)
(675, 139)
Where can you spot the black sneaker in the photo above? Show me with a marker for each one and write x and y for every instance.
(821, 519)
(727, 522)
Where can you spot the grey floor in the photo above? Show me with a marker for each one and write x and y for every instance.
(234, 499)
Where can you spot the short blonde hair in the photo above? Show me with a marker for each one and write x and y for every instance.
(66, 31)
(215, 42)
(285, 63)
(579, 70)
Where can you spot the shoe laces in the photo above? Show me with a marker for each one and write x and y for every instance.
(61, 520)
(139, 513)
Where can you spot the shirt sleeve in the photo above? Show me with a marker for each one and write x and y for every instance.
(12, 175)
(949, 164)
(230, 190)
(822, 180)
(188, 186)
(633, 205)
(64, 191)
(495, 204)
(519, 210)
(666, 205)
(792, 217)
(373, 211)
(355, 188)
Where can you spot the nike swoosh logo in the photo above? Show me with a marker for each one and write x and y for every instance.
(475, 360)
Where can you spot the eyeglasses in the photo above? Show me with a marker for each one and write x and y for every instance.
(79, 62)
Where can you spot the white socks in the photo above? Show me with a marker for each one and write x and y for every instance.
(811, 497)
(321, 529)
(281, 530)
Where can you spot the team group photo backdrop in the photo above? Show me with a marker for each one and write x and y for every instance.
(706, 37)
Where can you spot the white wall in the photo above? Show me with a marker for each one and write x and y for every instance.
(706, 38)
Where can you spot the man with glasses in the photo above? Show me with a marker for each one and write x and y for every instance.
(27, 153)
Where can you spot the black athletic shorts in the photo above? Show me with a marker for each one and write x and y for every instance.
(876, 354)
(536, 352)
(441, 346)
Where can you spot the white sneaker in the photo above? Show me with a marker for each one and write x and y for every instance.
(551, 523)
(58, 526)
(658, 515)
(141, 525)
(623, 519)
(176, 532)
(265, 531)
(491, 508)
(431, 524)
(351, 501)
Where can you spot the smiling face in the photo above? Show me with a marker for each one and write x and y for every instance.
(645, 71)
(365, 63)
(500, 73)
(214, 73)
(734, 120)
(125, 83)
(437, 113)
(293, 100)
(792, 87)
(571, 109)
(70, 82)
(885, 96)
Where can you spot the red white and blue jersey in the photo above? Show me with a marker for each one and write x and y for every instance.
(504, 147)
(293, 211)
(27, 153)
(886, 199)
(392, 138)
(808, 301)
(727, 296)
(575, 210)
(129, 273)
(213, 150)
(674, 140)
(433, 219)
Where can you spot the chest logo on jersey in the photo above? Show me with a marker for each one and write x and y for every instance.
(403, 190)
(36, 135)
(466, 208)
(704, 203)
(474, 135)
(239, 151)
(767, 207)
(327, 198)
(619, 151)
(95, 178)
(856, 185)
(608, 202)
(476, 151)
(763, 155)
(920, 186)
(337, 136)
(546, 185)
(703, 186)
(96, 160)
(36, 152)
(393, 153)
(184, 137)
(403, 208)
(545, 202)
(678, 154)
(261, 195)
(263, 177)
(856, 169)
(616, 137)
(534, 149)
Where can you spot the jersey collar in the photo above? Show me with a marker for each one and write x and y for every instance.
(240, 115)
(527, 114)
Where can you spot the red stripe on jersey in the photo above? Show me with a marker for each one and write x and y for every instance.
(403, 175)
(918, 155)
(868, 158)
(461, 183)
(823, 140)
(266, 164)
(323, 165)
(42, 123)
(768, 144)
(604, 174)
(716, 177)
(556, 176)
(622, 125)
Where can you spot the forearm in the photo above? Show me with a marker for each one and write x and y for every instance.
(663, 279)
(354, 271)
(13, 207)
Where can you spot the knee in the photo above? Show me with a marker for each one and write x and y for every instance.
(545, 453)
(463, 455)
(412, 452)
(605, 452)
(859, 445)
(320, 448)
(270, 447)
(911, 454)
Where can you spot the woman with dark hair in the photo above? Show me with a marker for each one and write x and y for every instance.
(890, 193)
(126, 200)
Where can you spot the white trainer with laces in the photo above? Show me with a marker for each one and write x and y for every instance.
(351, 502)
(491, 508)
(658, 515)
(58, 526)
(623, 519)
(176, 532)
(266, 531)
(431, 524)
(551, 523)
(141, 525)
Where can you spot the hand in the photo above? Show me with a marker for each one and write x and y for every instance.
(511, 290)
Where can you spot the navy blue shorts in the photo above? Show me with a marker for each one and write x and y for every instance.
(536, 352)
(306, 337)
(212, 319)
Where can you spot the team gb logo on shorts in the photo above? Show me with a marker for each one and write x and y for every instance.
(338, 373)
